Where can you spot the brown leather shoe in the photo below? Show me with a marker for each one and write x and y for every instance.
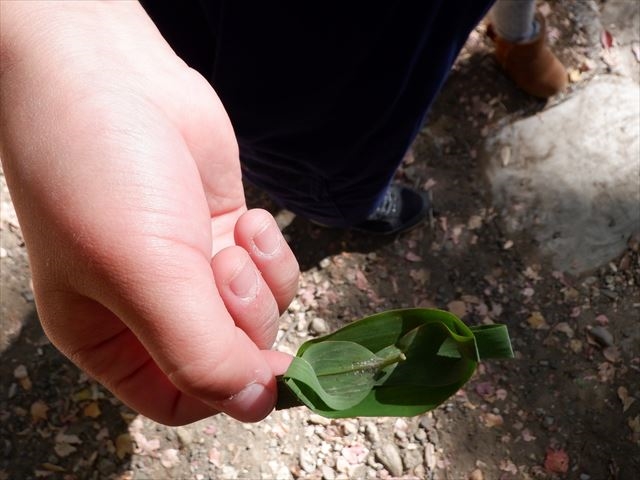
(531, 65)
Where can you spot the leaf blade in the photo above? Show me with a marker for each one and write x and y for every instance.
(395, 363)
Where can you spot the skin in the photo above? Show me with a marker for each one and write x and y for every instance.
(149, 272)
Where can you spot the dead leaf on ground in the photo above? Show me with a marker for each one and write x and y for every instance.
(606, 39)
(625, 398)
(64, 438)
(532, 274)
(565, 328)
(606, 372)
(124, 445)
(458, 308)
(145, 446)
(84, 394)
(471, 299)
(634, 425)
(575, 345)
(39, 411)
(413, 257)
(544, 9)
(475, 222)
(491, 420)
(537, 321)
(476, 475)
(64, 449)
(52, 467)
(42, 473)
(556, 461)
(574, 75)
(419, 276)
(612, 354)
(92, 410)
(508, 466)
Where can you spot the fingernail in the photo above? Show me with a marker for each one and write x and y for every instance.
(245, 282)
(268, 240)
(251, 404)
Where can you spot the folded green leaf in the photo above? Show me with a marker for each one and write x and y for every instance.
(396, 363)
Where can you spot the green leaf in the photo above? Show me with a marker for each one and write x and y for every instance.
(396, 363)
(493, 341)
(338, 373)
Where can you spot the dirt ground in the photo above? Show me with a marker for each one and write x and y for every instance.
(568, 405)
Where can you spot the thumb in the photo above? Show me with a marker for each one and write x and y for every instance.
(187, 329)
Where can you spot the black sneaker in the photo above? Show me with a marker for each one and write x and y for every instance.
(401, 209)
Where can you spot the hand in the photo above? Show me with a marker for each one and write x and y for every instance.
(148, 271)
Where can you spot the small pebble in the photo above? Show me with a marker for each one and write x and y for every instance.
(476, 475)
(349, 428)
(602, 336)
(412, 458)
(430, 456)
(229, 472)
(389, 456)
(342, 465)
(420, 435)
(357, 472)
(319, 326)
(328, 473)
(307, 461)
(316, 419)
(185, 437)
(20, 372)
(372, 433)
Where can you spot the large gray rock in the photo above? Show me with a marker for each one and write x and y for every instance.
(570, 176)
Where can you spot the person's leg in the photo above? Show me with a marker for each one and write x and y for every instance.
(326, 97)
(521, 48)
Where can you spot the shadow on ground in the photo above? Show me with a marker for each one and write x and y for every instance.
(53, 419)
